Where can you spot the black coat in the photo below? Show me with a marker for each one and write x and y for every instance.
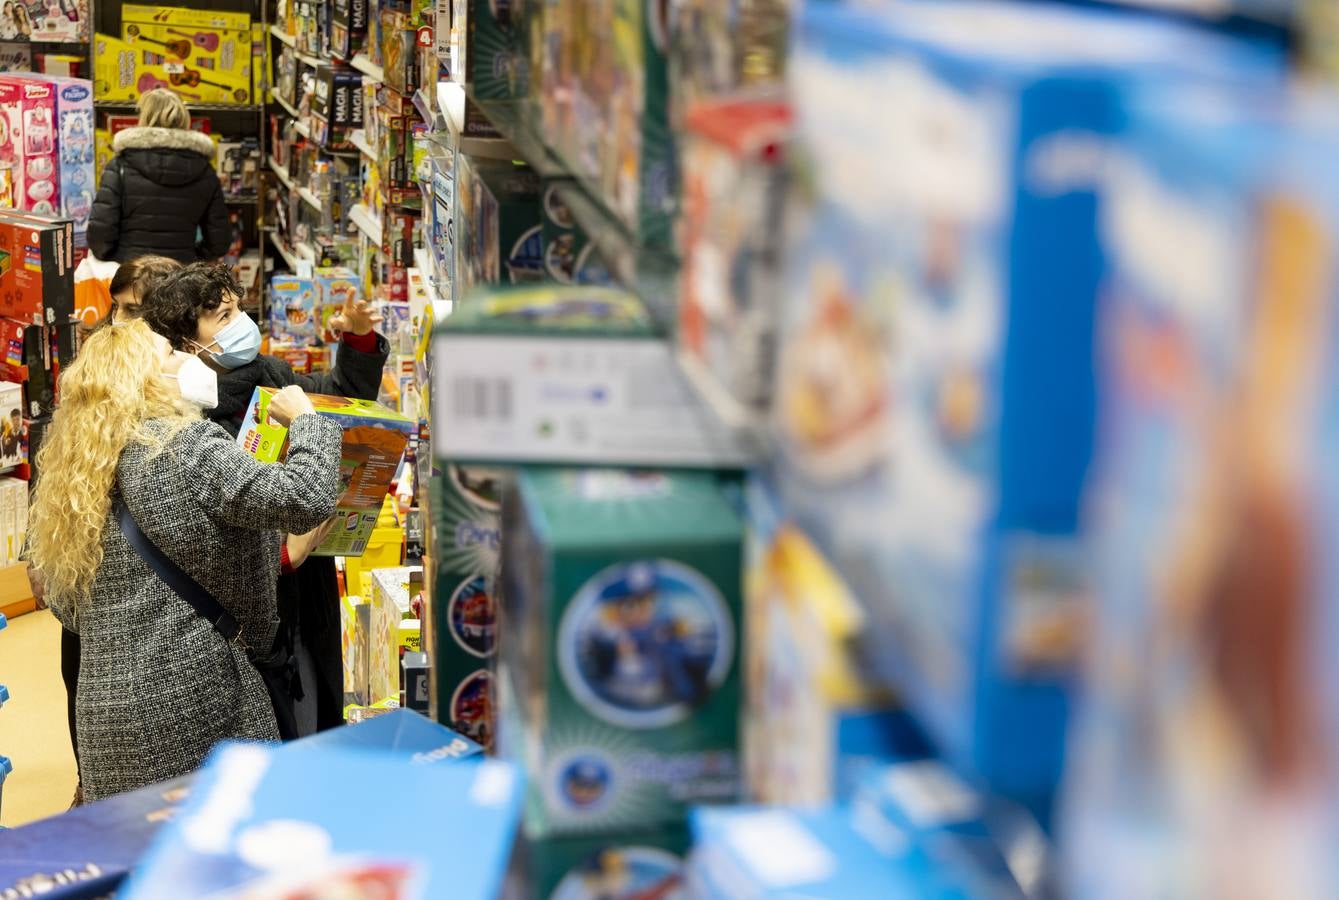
(309, 598)
(156, 194)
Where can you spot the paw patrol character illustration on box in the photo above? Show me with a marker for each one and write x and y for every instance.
(472, 708)
(643, 644)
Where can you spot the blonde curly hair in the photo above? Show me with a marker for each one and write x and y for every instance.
(112, 395)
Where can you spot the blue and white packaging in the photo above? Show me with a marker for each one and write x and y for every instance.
(1202, 763)
(403, 732)
(936, 398)
(262, 822)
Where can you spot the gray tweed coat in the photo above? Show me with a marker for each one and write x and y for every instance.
(158, 687)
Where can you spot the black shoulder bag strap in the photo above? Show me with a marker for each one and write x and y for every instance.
(175, 577)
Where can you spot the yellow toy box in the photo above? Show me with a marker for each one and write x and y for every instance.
(122, 71)
(185, 18)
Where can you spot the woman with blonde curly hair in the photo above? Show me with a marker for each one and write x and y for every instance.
(159, 684)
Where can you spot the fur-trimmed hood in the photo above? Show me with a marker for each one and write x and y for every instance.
(142, 138)
(171, 157)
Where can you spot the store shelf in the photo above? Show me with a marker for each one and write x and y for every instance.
(282, 172)
(286, 106)
(283, 36)
(368, 68)
(441, 307)
(239, 201)
(359, 139)
(365, 222)
(193, 107)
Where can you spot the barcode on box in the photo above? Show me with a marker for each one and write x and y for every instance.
(482, 399)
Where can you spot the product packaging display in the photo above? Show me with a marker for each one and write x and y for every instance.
(27, 361)
(414, 674)
(374, 443)
(13, 514)
(348, 27)
(11, 425)
(29, 162)
(202, 64)
(355, 623)
(498, 228)
(123, 70)
(426, 831)
(36, 268)
(394, 628)
(570, 257)
(460, 612)
(402, 732)
(621, 610)
(558, 373)
(634, 863)
(294, 310)
(722, 49)
(74, 124)
(65, 22)
(729, 235)
(935, 401)
(1213, 488)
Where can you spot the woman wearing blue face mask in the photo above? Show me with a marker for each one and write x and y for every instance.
(196, 309)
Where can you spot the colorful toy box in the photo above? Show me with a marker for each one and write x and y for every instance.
(28, 146)
(355, 620)
(374, 443)
(74, 124)
(1213, 488)
(570, 257)
(621, 607)
(123, 70)
(460, 616)
(11, 425)
(633, 863)
(934, 408)
(36, 268)
(498, 225)
(65, 22)
(210, 63)
(583, 365)
(391, 618)
(425, 831)
(184, 17)
(295, 310)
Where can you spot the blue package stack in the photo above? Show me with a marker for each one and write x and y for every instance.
(1202, 764)
(936, 400)
(266, 820)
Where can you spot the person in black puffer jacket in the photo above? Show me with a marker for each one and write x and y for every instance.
(159, 194)
(194, 309)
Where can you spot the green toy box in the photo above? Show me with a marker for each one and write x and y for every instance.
(620, 595)
(460, 627)
(643, 864)
(375, 438)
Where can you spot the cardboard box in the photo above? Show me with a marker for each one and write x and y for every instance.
(11, 425)
(296, 310)
(28, 105)
(631, 863)
(27, 361)
(374, 443)
(16, 58)
(569, 255)
(61, 23)
(197, 58)
(963, 540)
(392, 590)
(415, 671)
(621, 608)
(355, 629)
(184, 17)
(36, 268)
(122, 71)
(586, 380)
(500, 225)
(390, 844)
(348, 27)
(75, 149)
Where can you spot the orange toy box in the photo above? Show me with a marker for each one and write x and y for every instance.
(36, 268)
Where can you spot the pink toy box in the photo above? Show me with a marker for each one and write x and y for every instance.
(74, 148)
(28, 145)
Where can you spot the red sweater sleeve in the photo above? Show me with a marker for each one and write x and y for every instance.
(363, 343)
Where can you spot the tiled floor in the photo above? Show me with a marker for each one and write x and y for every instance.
(33, 729)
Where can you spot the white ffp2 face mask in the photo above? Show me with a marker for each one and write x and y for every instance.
(198, 383)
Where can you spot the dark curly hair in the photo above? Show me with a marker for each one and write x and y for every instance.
(173, 305)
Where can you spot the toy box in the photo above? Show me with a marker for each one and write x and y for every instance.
(13, 515)
(952, 467)
(16, 58)
(733, 179)
(74, 124)
(816, 720)
(295, 308)
(633, 863)
(123, 70)
(460, 612)
(1213, 488)
(503, 225)
(415, 675)
(28, 146)
(196, 56)
(570, 257)
(27, 361)
(185, 18)
(348, 27)
(374, 444)
(495, 63)
(621, 607)
(66, 22)
(36, 268)
(591, 352)
(275, 828)
(391, 593)
(355, 620)
(399, 52)
(11, 425)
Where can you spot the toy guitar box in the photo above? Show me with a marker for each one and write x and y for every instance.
(375, 438)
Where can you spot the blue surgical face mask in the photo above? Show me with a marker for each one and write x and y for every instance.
(238, 342)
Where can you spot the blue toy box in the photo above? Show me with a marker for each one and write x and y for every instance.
(935, 403)
(331, 822)
(1200, 765)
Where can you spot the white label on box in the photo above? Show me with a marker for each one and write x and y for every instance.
(779, 850)
(583, 400)
(930, 795)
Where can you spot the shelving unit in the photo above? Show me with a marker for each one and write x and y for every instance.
(368, 68)
(365, 222)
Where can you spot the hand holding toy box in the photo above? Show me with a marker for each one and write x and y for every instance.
(374, 443)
